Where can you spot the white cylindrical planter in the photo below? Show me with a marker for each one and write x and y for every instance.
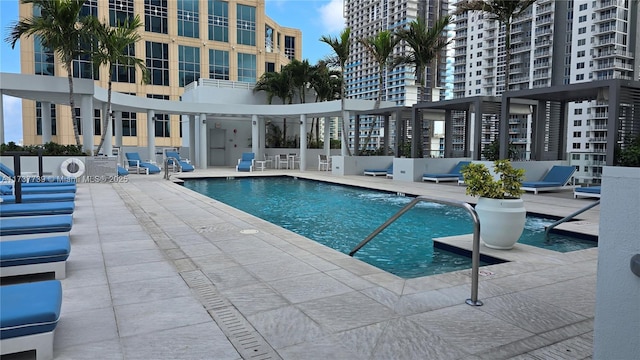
(501, 221)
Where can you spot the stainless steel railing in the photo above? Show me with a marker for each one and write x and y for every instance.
(567, 218)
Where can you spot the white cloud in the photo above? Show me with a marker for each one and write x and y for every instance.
(12, 109)
(332, 16)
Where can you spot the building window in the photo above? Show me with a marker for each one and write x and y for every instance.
(218, 20)
(576, 145)
(269, 67)
(125, 73)
(158, 63)
(120, 11)
(43, 58)
(188, 64)
(582, 42)
(52, 115)
(581, 53)
(129, 124)
(218, 64)
(290, 47)
(246, 25)
(97, 122)
(89, 8)
(577, 122)
(77, 120)
(579, 77)
(83, 68)
(582, 18)
(577, 134)
(583, 7)
(582, 30)
(246, 67)
(575, 156)
(162, 121)
(188, 18)
(155, 16)
(580, 65)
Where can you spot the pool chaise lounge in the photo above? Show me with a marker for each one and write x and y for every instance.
(8, 189)
(35, 256)
(174, 159)
(135, 162)
(53, 180)
(29, 314)
(557, 178)
(13, 228)
(454, 174)
(590, 191)
(381, 172)
(37, 209)
(38, 198)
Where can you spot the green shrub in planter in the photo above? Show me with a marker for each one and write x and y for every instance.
(480, 182)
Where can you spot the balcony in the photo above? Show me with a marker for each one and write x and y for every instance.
(608, 4)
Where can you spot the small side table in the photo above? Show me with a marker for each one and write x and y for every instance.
(261, 164)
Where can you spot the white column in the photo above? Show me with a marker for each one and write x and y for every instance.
(45, 110)
(192, 138)
(86, 119)
(108, 145)
(1, 118)
(151, 135)
(203, 146)
(117, 122)
(303, 142)
(255, 137)
(327, 135)
(344, 128)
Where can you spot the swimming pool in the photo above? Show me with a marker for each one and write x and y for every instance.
(341, 216)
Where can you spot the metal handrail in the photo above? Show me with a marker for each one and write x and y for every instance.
(567, 218)
(475, 255)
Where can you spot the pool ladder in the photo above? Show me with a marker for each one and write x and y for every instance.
(475, 255)
(567, 218)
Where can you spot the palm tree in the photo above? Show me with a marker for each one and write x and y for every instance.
(62, 31)
(426, 44)
(300, 76)
(326, 84)
(380, 47)
(277, 84)
(504, 11)
(111, 49)
(340, 46)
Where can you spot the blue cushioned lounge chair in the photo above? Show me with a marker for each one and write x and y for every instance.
(8, 189)
(381, 172)
(135, 162)
(37, 209)
(28, 227)
(53, 180)
(173, 159)
(38, 198)
(454, 174)
(122, 171)
(587, 191)
(557, 178)
(35, 256)
(29, 314)
(246, 163)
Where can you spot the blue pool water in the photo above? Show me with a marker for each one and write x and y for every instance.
(341, 216)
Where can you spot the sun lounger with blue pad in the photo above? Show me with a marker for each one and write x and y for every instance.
(13, 228)
(37, 209)
(454, 174)
(8, 172)
(587, 191)
(381, 172)
(135, 162)
(8, 189)
(29, 314)
(173, 159)
(246, 162)
(35, 256)
(122, 171)
(38, 198)
(557, 178)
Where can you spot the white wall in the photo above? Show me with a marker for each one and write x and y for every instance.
(617, 319)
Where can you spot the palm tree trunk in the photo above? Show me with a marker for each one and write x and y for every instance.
(344, 118)
(107, 116)
(72, 104)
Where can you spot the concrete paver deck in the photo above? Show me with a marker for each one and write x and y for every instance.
(159, 272)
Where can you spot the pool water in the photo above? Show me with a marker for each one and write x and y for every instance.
(342, 216)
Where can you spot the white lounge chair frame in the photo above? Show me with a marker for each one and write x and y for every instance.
(42, 343)
(59, 268)
(577, 193)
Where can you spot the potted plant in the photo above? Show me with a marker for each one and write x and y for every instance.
(500, 209)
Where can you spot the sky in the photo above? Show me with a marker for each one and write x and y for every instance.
(314, 17)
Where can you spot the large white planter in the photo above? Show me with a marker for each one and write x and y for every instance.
(501, 221)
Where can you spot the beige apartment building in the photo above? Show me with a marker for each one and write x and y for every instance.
(182, 41)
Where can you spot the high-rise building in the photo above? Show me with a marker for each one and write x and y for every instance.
(182, 41)
(552, 43)
(366, 18)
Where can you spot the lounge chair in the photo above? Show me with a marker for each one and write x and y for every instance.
(53, 180)
(135, 162)
(122, 171)
(38, 198)
(390, 172)
(174, 159)
(590, 191)
(35, 256)
(29, 314)
(14, 228)
(37, 209)
(8, 189)
(557, 178)
(381, 172)
(454, 174)
(246, 162)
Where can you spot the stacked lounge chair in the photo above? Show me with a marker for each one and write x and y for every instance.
(586, 191)
(454, 174)
(9, 173)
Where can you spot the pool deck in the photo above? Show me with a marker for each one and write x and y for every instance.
(159, 272)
